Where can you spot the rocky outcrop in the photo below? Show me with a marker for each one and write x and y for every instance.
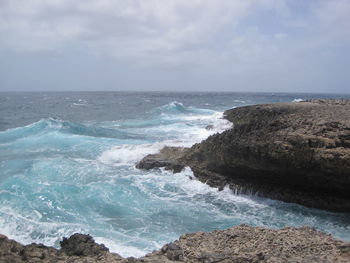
(295, 152)
(77, 248)
(237, 244)
(168, 157)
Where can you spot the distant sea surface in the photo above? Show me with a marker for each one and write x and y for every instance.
(67, 165)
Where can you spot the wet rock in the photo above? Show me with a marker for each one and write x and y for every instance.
(168, 158)
(294, 152)
(82, 245)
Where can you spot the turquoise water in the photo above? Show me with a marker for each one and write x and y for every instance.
(67, 164)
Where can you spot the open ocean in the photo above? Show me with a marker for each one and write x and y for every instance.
(67, 165)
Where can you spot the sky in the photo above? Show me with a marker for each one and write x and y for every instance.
(177, 45)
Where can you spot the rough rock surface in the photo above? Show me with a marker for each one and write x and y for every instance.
(168, 158)
(237, 244)
(295, 152)
(78, 248)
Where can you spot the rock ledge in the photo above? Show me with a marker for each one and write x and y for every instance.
(294, 152)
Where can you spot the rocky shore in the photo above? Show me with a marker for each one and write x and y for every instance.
(242, 244)
(294, 152)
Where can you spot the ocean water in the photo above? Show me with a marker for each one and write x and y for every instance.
(67, 165)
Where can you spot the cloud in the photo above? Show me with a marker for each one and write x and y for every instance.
(238, 38)
(120, 28)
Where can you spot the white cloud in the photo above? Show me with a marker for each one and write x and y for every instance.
(141, 27)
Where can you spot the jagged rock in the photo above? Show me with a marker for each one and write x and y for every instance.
(237, 244)
(294, 152)
(82, 245)
(173, 252)
(78, 248)
(167, 158)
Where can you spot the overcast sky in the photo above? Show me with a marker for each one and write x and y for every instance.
(204, 45)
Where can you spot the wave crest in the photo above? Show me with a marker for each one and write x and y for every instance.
(45, 126)
(175, 107)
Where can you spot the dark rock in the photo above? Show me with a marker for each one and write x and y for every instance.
(77, 248)
(173, 246)
(173, 252)
(82, 245)
(167, 158)
(175, 255)
(13, 252)
(295, 152)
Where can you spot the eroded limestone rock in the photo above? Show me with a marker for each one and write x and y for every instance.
(294, 152)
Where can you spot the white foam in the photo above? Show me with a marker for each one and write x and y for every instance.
(19, 228)
(79, 102)
(194, 128)
(129, 154)
(194, 187)
(123, 250)
(189, 130)
(298, 100)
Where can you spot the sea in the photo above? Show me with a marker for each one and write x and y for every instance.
(67, 165)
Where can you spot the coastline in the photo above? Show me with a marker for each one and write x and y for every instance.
(211, 160)
(237, 244)
(294, 152)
